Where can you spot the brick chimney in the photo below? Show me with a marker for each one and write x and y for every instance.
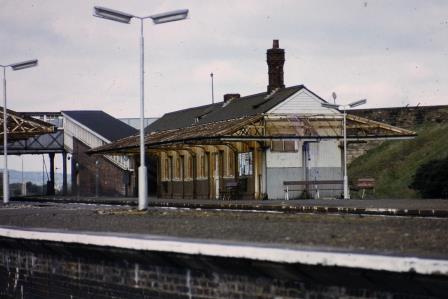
(276, 60)
(230, 96)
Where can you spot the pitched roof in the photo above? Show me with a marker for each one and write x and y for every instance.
(181, 118)
(102, 123)
(245, 106)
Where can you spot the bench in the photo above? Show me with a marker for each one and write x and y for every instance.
(230, 191)
(365, 184)
(322, 185)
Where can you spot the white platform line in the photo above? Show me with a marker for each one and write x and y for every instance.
(236, 250)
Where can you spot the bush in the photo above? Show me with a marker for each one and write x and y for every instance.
(431, 179)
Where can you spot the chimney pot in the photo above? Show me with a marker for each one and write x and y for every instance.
(275, 44)
(230, 96)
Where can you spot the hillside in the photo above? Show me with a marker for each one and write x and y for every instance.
(34, 177)
(394, 163)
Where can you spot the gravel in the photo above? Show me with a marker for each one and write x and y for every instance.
(410, 236)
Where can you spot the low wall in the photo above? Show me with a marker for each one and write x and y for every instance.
(404, 117)
(36, 269)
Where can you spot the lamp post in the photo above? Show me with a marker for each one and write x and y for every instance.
(15, 67)
(161, 18)
(344, 108)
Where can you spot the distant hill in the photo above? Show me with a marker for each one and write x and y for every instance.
(34, 177)
(394, 163)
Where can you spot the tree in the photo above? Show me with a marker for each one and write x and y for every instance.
(431, 179)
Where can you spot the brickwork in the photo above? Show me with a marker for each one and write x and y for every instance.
(275, 58)
(357, 149)
(406, 117)
(112, 180)
(54, 271)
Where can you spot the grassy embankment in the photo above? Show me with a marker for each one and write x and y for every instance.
(394, 163)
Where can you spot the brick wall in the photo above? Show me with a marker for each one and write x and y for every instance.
(403, 117)
(113, 181)
(30, 269)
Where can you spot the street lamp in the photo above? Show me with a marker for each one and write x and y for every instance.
(15, 67)
(118, 16)
(344, 108)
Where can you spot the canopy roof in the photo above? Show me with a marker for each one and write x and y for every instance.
(262, 127)
(21, 126)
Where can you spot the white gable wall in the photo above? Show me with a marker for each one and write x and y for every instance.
(302, 102)
(323, 160)
(325, 153)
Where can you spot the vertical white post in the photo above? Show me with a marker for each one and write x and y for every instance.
(23, 182)
(142, 173)
(213, 92)
(5, 144)
(217, 170)
(346, 190)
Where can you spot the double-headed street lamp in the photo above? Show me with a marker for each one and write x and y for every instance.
(15, 67)
(344, 108)
(161, 18)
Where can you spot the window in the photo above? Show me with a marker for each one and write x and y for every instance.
(283, 146)
(190, 167)
(177, 168)
(245, 163)
(167, 169)
(203, 165)
(231, 162)
(289, 146)
(277, 146)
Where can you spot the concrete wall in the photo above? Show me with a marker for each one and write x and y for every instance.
(312, 161)
(276, 177)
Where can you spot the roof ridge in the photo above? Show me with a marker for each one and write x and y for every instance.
(276, 91)
(192, 108)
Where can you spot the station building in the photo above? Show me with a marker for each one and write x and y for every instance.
(264, 146)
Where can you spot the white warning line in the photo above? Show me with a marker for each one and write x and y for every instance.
(236, 250)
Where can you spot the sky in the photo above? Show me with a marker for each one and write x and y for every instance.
(393, 53)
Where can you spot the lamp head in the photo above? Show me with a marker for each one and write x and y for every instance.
(170, 16)
(23, 65)
(358, 103)
(113, 15)
(331, 106)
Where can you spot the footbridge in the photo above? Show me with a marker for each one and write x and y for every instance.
(51, 144)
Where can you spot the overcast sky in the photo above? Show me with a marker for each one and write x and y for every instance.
(393, 53)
